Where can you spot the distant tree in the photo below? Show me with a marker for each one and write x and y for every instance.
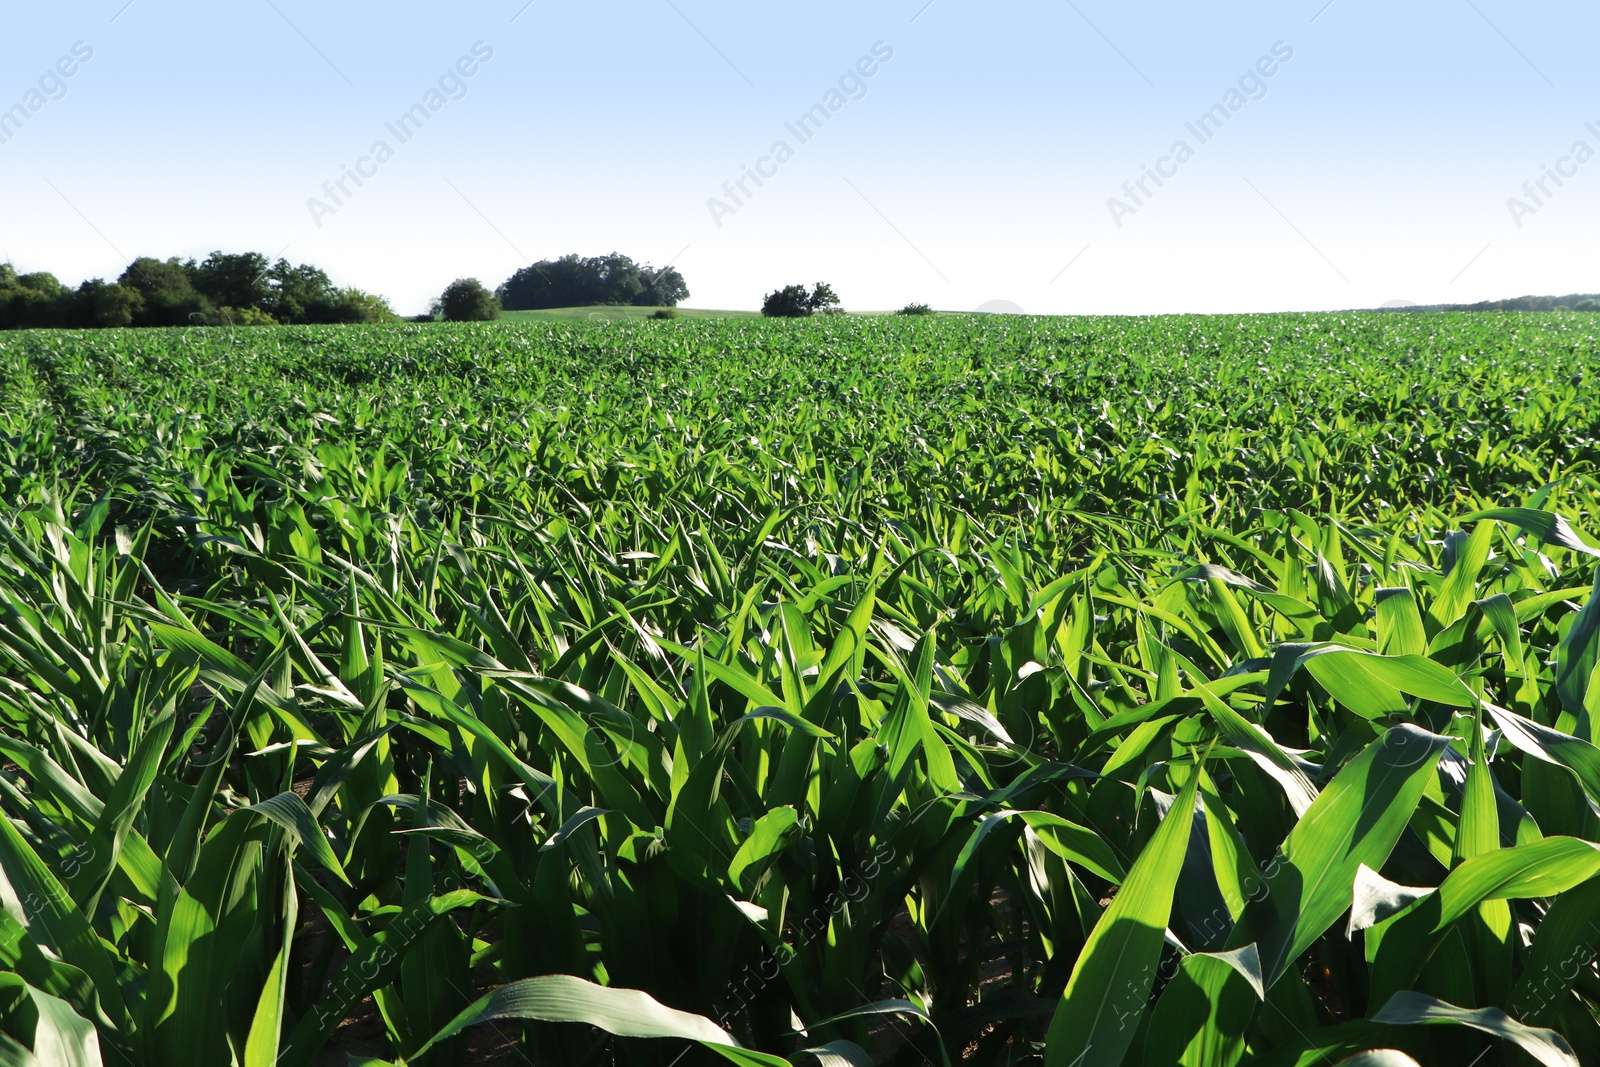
(790, 302)
(235, 281)
(664, 288)
(575, 281)
(915, 309)
(41, 282)
(302, 294)
(552, 283)
(796, 302)
(33, 301)
(101, 304)
(227, 289)
(620, 279)
(167, 292)
(466, 300)
(358, 306)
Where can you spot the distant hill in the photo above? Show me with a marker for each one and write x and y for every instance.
(1574, 302)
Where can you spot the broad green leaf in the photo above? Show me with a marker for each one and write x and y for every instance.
(1554, 747)
(563, 998)
(1547, 526)
(1541, 868)
(1577, 660)
(1072, 842)
(1114, 973)
(769, 836)
(1407, 1008)
(1357, 819)
(61, 1037)
(30, 891)
(1457, 591)
(1373, 686)
(1563, 943)
(1237, 731)
(1400, 629)
(291, 813)
(1205, 1012)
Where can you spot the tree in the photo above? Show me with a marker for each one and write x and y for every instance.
(790, 302)
(235, 281)
(105, 305)
(302, 294)
(575, 281)
(33, 301)
(227, 289)
(166, 290)
(796, 302)
(664, 288)
(824, 299)
(358, 306)
(466, 300)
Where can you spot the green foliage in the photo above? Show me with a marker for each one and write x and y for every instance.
(915, 309)
(980, 690)
(167, 292)
(230, 316)
(224, 290)
(358, 306)
(103, 305)
(798, 302)
(665, 313)
(33, 300)
(234, 281)
(466, 300)
(583, 281)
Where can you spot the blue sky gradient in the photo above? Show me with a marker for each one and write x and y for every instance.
(976, 164)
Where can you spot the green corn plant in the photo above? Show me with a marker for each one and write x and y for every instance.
(777, 693)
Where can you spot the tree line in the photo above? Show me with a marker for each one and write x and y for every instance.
(248, 289)
(238, 289)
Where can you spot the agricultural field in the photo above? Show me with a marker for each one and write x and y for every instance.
(619, 313)
(676, 693)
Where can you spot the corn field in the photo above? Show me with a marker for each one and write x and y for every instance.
(983, 691)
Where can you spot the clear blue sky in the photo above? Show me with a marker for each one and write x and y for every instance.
(975, 164)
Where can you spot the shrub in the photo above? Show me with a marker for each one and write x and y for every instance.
(915, 309)
(665, 313)
(359, 306)
(232, 316)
